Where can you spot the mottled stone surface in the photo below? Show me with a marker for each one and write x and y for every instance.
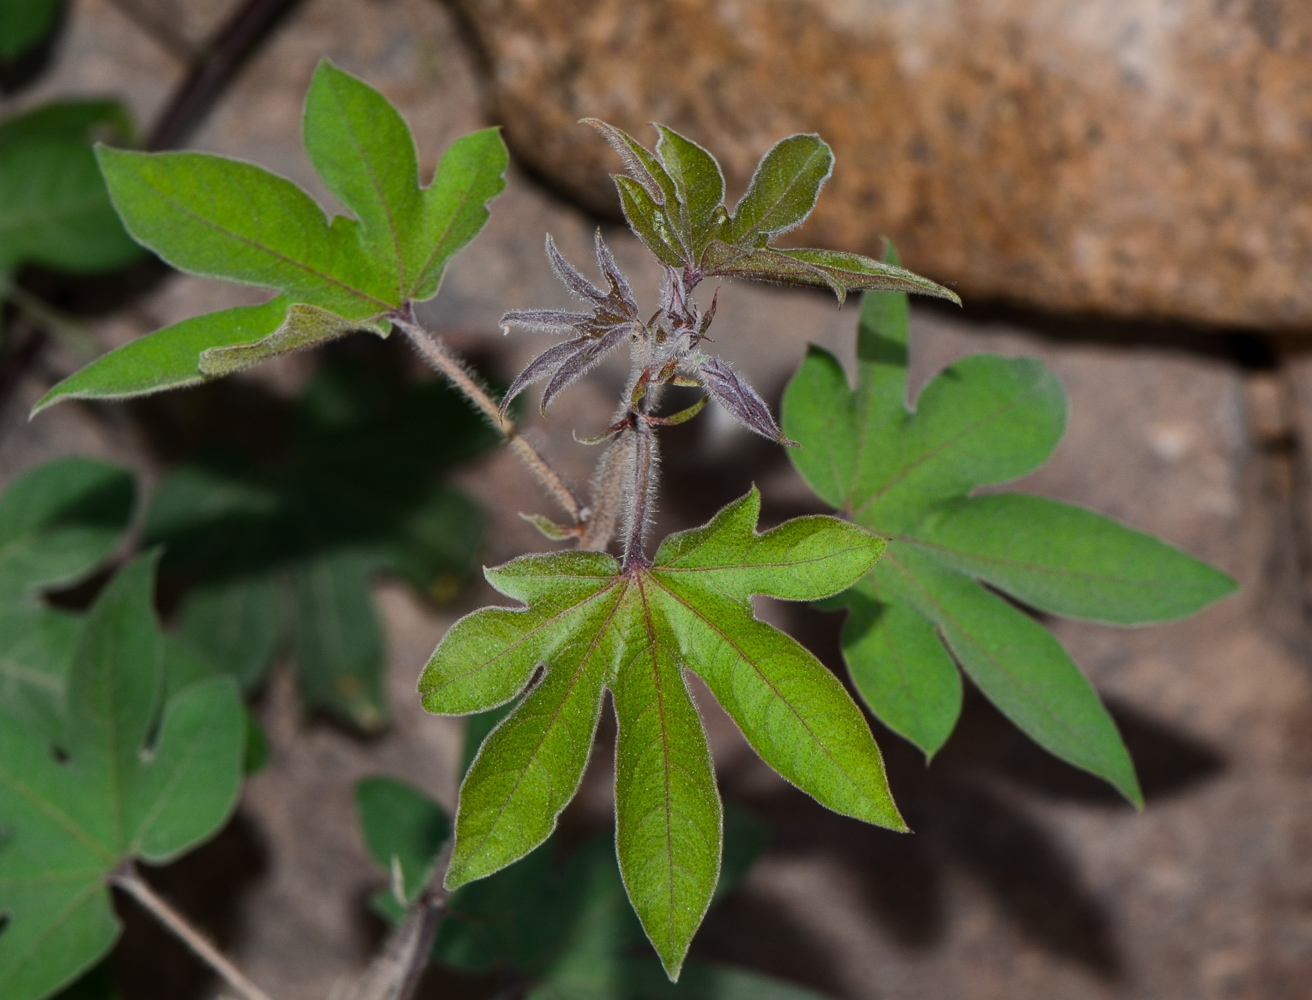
(1131, 157)
(1023, 881)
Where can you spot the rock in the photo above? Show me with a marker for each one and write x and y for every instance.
(1128, 158)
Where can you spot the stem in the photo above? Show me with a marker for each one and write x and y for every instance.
(127, 878)
(636, 528)
(440, 358)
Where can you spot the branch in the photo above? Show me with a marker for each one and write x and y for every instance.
(440, 358)
(127, 878)
(395, 973)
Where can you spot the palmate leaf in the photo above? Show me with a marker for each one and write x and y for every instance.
(54, 209)
(908, 475)
(58, 523)
(595, 627)
(284, 556)
(141, 778)
(226, 219)
(567, 929)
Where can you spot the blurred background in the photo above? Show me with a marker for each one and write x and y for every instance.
(1120, 187)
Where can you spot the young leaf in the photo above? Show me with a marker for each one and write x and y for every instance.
(783, 190)
(226, 219)
(54, 209)
(141, 780)
(58, 522)
(908, 475)
(635, 631)
(698, 185)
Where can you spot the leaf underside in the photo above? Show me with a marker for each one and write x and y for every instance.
(636, 633)
(235, 221)
(908, 475)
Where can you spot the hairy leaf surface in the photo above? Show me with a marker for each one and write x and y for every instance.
(907, 474)
(594, 626)
(236, 221)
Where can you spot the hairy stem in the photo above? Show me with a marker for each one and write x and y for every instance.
(437, 355)
(127, 878)
(638, 511)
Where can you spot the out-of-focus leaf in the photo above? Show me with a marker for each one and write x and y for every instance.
(58, 522)
(54, 209)
(23, 23)
(143, 778)
(404, 831)
(284, 557)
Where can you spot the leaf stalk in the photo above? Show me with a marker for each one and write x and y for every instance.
(442, 360)
(127, 878)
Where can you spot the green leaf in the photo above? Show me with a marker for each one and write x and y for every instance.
(650, 222)
(783, 190)
(641, 979)
(23, 23)
(766, 264)
(364, 152)
(303, 326)
(899, 665)
(142, 780)
(224, 218)
(58, 522)
(237, 621)
(338, 640)
(235, 221)
(1018, 664)
(404, 831)
(907, 475)
(698, 184)
(594, 627)
(168, 358)
(54, 209)
(853, 273)
(1071, 561)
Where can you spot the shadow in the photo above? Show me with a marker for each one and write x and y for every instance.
(971, 814)
(20, 70)
(208, 886)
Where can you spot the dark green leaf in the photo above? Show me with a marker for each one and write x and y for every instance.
(54, 209)
(854, 273)
(138, 782)
(404, 831)
(23, 23)
(237, 621)
(698, 184)
(337, 638)
(1071, 561)
(908, 476)
(58, 522)
(783, 190)
(899, 664)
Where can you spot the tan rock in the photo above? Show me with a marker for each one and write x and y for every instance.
(1131, 157)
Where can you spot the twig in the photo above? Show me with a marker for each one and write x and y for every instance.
(395, 973)
(168, 38)
(440, 358)
(127, 878)
(214, 65)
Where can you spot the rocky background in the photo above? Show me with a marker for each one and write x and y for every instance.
(1121, 188)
